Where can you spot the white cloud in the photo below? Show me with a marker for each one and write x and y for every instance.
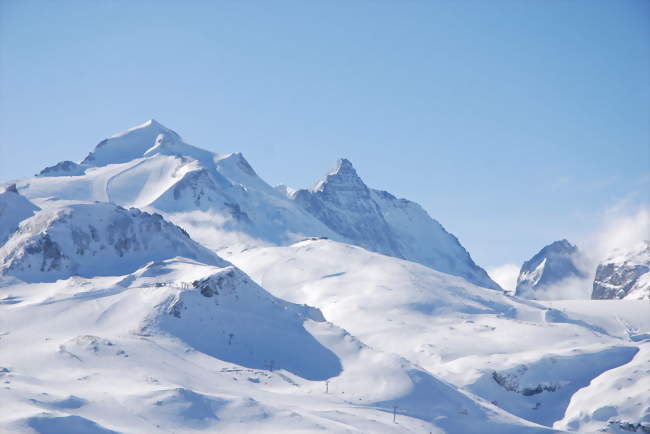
(505, 275)
(622, 228)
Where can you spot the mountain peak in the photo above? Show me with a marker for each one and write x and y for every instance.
(624, 274)
(132, 143)
(553, 263)
(343, 177)
(344, 166)
(562, 245)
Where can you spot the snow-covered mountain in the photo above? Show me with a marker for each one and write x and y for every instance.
(525, 357)
(550, 266)
(624, 274)
(159, 287)
(14, 208)
(94, 239)
(150, 167)
(221, 200)
(179, 345)
(378, 221)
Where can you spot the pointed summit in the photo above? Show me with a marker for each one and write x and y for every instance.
(343, 178)
(554, 263)
(145, 139)
(344, 166)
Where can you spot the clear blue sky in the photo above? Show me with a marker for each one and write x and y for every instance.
(514, 123)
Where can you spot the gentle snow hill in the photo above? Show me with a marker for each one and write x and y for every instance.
(14, 208)
(553, 264)
(378, 221)
(179, 346)
(95, 239)
(220, 200)
(624, 274)
(458, 331)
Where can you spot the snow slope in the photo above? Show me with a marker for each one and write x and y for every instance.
(341, 308)
(454, 329)
(179, 346)
(93, 240)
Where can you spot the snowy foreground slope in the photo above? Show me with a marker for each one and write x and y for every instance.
(177, 345)
(525, 357)
(245, 319)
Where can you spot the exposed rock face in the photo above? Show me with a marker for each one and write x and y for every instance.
(549, 266)
(343, 202)
(64, 168)
(625, 274)
(94, 239)
(378, 221)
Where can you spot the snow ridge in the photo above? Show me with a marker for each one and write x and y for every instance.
(378, 221)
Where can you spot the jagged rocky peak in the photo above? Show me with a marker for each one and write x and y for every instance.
(554, 263)
(378, 221)
(624, 274)
(343, 203)
(63, 168)
(343, 178)
(93, 240)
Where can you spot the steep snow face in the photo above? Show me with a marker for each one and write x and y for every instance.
(624, 274)
(423, 240)
(214, 314)
(14, 208)
(380, 222)
(551, 265)
(93, 240)
(343, 202)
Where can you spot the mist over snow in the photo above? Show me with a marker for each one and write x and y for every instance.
(505, 275)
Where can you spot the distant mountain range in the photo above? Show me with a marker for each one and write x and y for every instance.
(150, 167)
(158, 287)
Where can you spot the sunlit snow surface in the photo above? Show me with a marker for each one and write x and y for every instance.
(114, 319)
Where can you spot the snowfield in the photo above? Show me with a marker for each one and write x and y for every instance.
(157, 287)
